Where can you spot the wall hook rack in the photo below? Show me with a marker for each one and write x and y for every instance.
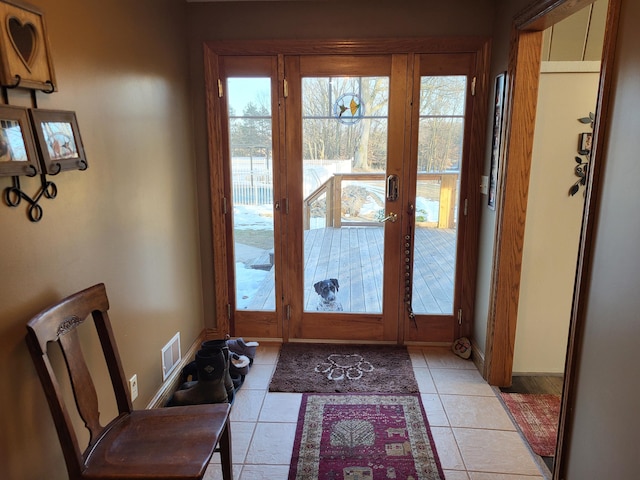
(14, 195)
(49, 83)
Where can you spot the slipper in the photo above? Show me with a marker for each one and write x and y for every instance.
(237, 380)
(239, 364)
(241, 347)
(462, 347)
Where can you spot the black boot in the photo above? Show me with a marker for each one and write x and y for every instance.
(210, 386)
(189, 375)
(222, 345)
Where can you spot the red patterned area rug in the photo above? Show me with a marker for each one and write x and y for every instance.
(537, 415)
(363, 437)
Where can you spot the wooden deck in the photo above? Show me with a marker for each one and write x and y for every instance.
(353, 255)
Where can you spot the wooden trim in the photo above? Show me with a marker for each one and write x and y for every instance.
(469, 259)
(216, 170)
(589, 227)
(520, 106)
(280, 250)
(399, 89)
(477, 357)
(383, 46)
(546, 13)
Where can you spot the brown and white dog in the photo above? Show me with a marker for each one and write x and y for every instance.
(327, 290)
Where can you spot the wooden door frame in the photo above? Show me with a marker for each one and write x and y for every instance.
(474, 66)
(449, 45)
(523, 76)
(307, 325)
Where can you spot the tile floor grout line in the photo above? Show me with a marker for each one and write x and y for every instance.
(241, 472)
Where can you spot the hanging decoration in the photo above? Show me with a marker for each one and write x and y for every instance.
(25, 57)
(584, 155)
(32, 141)
(348, 109)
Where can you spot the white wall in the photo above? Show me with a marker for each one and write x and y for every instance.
(554, 218)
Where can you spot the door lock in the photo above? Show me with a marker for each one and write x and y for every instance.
(392, 188)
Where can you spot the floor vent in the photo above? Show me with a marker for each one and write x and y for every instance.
(171, 356)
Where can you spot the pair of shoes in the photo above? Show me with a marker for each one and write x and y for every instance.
(462, 347)
(210, 385)
(190, 373)
(239, 346)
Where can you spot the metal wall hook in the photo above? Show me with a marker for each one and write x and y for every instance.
(51, 89)
(58, 170)
(82, 165)
(17, 84)
(31, 171)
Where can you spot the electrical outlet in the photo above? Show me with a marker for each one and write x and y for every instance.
(133, 387)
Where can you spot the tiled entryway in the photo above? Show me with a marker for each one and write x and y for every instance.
(474, 436)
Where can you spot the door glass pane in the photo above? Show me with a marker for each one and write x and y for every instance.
(250, 147)
(440, 139)
(344, 134)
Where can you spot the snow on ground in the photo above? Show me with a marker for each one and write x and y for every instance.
(248, 280)
(253, 217)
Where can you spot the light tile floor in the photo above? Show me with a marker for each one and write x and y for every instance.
(474, 436)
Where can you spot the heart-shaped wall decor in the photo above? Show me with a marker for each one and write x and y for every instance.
(24, 38)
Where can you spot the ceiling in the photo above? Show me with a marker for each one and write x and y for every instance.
(577, 38)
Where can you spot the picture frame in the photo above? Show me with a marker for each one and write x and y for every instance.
(58, 140)
(25, 55)
(496, 142)
(18, 155)
(584, 143)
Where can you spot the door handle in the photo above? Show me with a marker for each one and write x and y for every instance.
(392, 188)
(392, 217)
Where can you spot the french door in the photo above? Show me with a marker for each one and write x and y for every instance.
(345, 145)
(340, 194)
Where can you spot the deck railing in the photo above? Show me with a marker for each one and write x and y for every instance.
(332, 189)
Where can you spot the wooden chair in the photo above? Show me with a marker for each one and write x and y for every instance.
(162, 443)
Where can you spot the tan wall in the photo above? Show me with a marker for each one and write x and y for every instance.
(128, 221)
(604, 438)
(310, 19)
(552, 232)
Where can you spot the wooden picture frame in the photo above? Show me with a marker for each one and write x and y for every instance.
(496, 143)
(58, 140)
(25, 55)
(18, 154)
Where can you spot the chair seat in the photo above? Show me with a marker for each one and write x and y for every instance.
(166, 443)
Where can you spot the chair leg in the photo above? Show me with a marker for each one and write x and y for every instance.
(225, 452)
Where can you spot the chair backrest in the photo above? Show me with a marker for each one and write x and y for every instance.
(59, 323)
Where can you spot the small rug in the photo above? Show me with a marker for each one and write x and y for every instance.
(338, 368)
(363, 437)
(537, 415)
